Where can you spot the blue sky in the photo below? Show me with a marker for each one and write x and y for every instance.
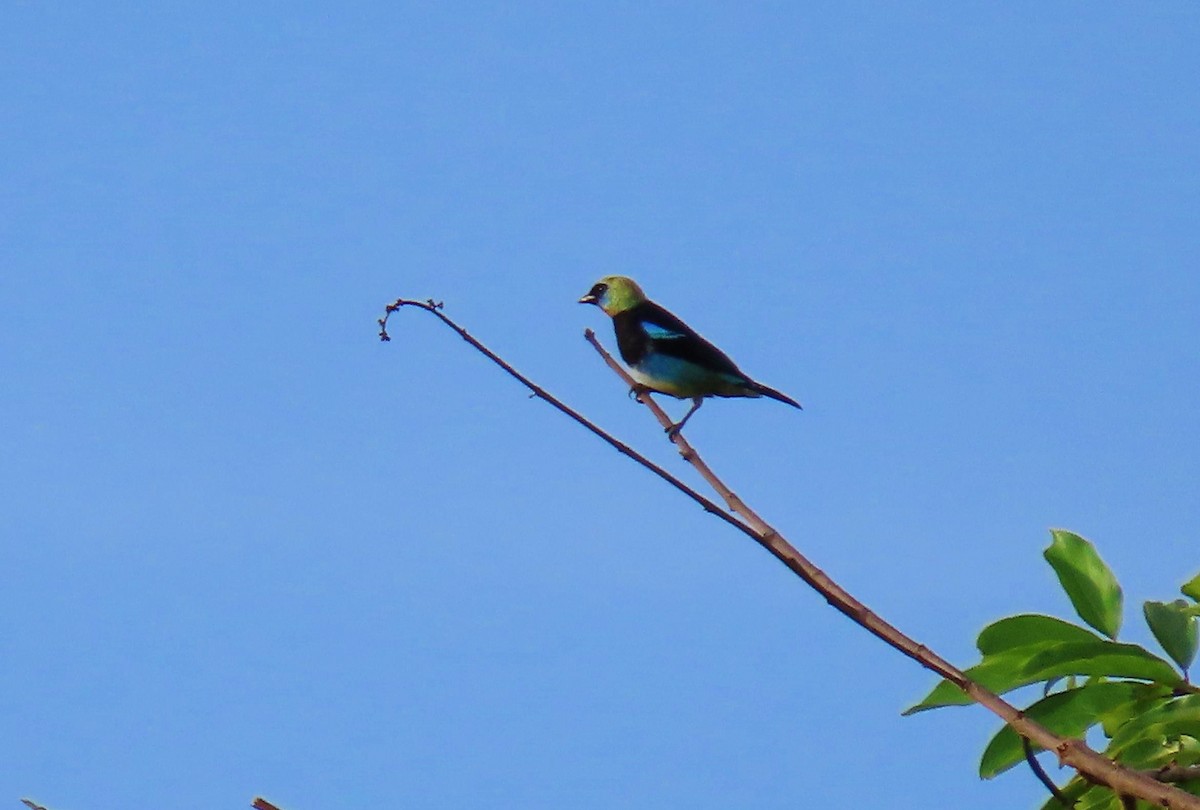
(251, 550)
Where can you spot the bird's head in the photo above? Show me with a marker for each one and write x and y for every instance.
(614, 294)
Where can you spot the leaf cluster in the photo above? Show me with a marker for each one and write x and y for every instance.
(1146, 707)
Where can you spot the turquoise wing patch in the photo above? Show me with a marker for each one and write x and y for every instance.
(657, 332)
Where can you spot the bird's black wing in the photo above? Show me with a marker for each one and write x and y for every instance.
(665, 333)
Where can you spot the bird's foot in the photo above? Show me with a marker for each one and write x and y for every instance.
(637, 390)
(673, 430)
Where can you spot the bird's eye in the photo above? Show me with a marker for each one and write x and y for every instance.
(600, 289)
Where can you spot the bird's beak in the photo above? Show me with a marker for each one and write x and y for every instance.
(588, 299)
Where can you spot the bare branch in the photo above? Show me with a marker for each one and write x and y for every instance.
(1072, 752)
(260, 803)
(537, 390)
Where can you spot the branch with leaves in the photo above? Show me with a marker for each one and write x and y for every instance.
(1147, 709)
(1093, 767)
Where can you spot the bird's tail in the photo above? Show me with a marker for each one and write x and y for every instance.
(768, 391)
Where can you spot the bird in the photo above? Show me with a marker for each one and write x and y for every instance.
(664, 354)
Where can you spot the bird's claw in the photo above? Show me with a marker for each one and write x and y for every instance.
(636, 391)
(673, 430)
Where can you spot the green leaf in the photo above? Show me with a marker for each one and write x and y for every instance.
(1145, 697)
(1148, 752)
(1021, 666)
(1175, 628)
(1165, 721)
(999, 673)
(1107, 658)
(1156, 750)
(1075, 788)
(1069, 714)
(1187, 750)
(1029, 629)
(1089, 583)
(1191, 588)
(1098, 797)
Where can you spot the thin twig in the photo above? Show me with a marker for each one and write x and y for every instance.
(1072, 752)
(32, 805)
(538, 391)
(260, 803)
(1042, 776)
